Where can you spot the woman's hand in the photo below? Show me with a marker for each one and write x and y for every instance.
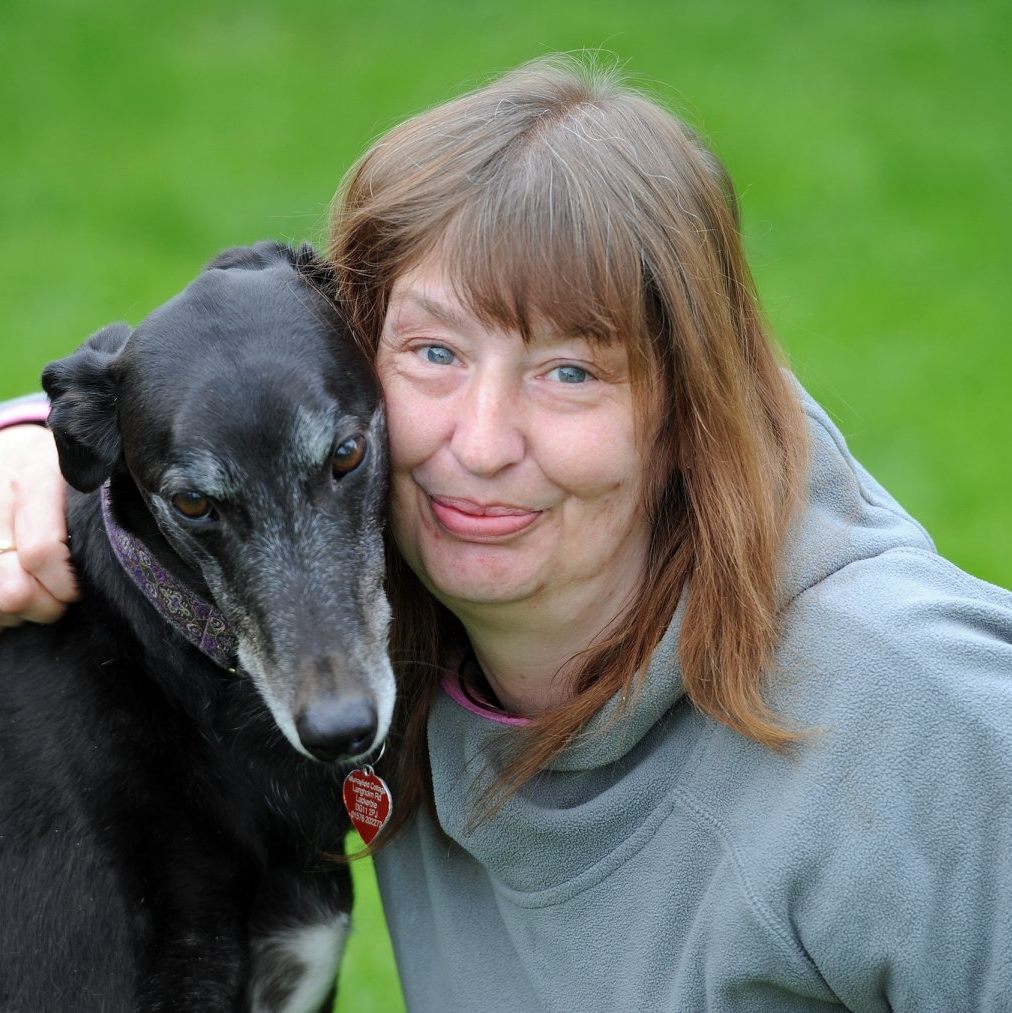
(36, 581)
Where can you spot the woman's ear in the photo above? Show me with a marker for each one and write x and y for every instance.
(82, 391)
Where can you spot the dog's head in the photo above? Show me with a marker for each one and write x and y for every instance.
(252, 426)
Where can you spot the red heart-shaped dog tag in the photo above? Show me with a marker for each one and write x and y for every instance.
(368, 801)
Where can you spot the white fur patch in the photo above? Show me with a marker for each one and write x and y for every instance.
(386, 694)
(315, 949)
(312, 435)
(251, 660)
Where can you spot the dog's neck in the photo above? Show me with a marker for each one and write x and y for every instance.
(192, 615)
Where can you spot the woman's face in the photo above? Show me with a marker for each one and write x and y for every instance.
(515, 469)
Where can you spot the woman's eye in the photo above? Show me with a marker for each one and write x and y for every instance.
(347, 456)
(438, 355)
(570, 374)
(194, 506)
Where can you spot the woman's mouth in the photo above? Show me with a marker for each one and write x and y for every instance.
(467, 519)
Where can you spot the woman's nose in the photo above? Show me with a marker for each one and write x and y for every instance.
(487, 434)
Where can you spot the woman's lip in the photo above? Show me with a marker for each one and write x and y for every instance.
(476, 520)
(470, 506)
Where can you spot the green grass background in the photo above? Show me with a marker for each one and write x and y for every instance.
(869, 139)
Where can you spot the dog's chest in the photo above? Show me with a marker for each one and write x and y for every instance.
(293, 970)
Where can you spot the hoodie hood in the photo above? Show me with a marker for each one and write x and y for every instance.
(846, 516)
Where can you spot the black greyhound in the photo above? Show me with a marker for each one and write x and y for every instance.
(172, 751)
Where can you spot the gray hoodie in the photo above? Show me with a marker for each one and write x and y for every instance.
(663, 862)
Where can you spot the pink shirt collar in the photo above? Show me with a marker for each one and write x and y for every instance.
(470, 702)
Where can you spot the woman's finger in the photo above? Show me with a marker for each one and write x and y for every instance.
(10, 567)
(40, 527)
(42, 549)
(35, 577)
(22, 597)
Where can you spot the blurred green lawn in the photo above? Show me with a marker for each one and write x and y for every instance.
(870, 142)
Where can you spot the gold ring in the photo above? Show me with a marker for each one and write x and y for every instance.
(7, 547)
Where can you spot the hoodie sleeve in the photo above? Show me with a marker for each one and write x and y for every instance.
(30, 408)
(900, 887)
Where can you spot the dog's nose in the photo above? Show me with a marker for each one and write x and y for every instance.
(334, 727)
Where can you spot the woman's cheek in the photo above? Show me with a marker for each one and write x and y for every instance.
(590, 461)
(406, 428)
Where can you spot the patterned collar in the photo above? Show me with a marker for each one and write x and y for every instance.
(197, 620)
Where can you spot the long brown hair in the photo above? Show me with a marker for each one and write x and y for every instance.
(558, 194)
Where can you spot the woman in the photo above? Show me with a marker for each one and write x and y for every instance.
(691, 714)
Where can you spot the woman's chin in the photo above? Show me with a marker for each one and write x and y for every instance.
(462, 585)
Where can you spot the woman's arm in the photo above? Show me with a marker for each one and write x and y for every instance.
(36, 581)
(29, 408)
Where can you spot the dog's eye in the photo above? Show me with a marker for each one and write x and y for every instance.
(192, 505)
(348, 455)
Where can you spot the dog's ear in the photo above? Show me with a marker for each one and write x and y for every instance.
(257, 256)
(82, 390)
(304, 259)
(317, 271)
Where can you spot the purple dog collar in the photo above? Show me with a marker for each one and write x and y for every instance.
(196, 619)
